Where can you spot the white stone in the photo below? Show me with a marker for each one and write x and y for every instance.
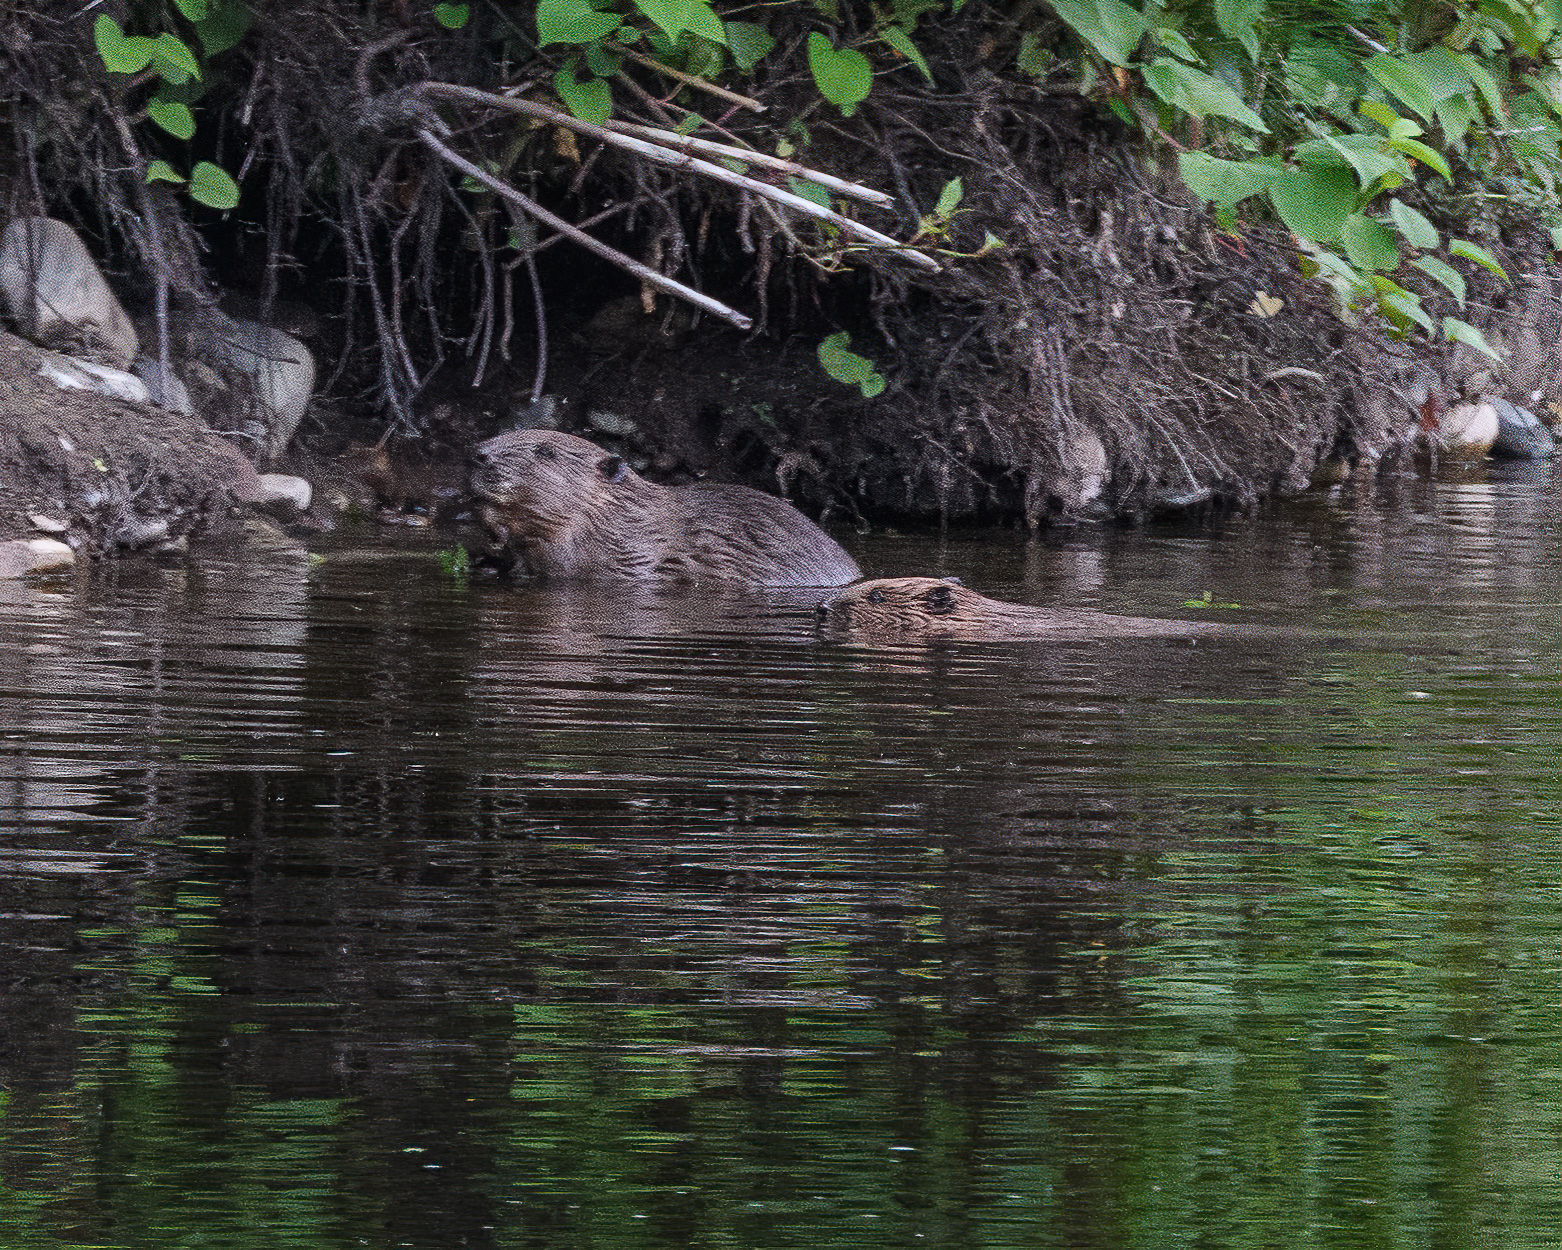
(47, 524)
(53, 288)
(21, 556)
(1468, 428)
(68, 373)
(285, 491)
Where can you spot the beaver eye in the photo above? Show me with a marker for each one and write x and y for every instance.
(822, 612)
(546, 451)
(940, 601)
(612, 468)
(875, 595)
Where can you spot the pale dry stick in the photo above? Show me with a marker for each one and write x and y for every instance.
(699, 84)
(681, 160)
(687, 143)
(644, 272)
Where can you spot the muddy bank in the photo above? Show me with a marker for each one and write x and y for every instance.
(115, 476)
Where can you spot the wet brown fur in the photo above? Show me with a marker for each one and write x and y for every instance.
(569, 509)
(912, 608)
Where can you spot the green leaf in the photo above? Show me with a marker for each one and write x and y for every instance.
(224, 25)
(1444, 273)
(1477, 253)
(1172, 41)
(162, 171)
(1462, 332)
(843, 365)
(673, 17)
(452, 16)
(1417, 230)
(1238, 20)
(1485, 84)
(1314, 202)
(172, 116)
(194, 10)
(1369, 245)
(1430, 157)
(901, 42)
(1225, 183)
(1556, 238)
(810, 191)
(748, 43)
(1404, 80)
(1034, 57)
(1401, 306)
(121, 53)
(591, 101)
(1378, 112)
(843, 75)
(1195, 92)
(175, 61)
(572, 21)
(1445, 76)
(211, 185)
(949, 198)
(1363, 153)
(1110, 28)
(602, 61)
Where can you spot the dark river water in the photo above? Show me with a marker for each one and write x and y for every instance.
(349, 901)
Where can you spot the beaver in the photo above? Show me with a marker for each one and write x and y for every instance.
(570, 509)
(916, 608)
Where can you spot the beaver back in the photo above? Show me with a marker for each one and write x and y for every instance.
(571, 509)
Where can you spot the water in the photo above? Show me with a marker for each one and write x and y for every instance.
(347, 902)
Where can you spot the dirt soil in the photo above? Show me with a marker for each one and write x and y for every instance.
(121, 477)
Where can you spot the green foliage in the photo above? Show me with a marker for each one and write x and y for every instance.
(842, 75)
(212, 186)
(218, 25)
(846, 366)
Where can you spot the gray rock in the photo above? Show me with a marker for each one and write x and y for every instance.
(280, 368)
(166, 392)
(52, 287)
(21, 556)
(1520, 434)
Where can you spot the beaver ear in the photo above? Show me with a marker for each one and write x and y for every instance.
(940, 601)
(613, 468)
(955, 581)
(876, 595)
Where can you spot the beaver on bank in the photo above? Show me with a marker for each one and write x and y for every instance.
(570, 509)
(914, 608)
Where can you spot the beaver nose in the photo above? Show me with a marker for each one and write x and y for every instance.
(480, 455)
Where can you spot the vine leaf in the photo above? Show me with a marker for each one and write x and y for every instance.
(572, 21)
(212, 186)
(843, 75)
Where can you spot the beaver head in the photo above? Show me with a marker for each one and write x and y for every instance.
(535, 484)
(926, 605)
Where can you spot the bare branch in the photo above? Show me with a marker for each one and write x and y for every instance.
(682, 160)
(687, 143)
(644, 272)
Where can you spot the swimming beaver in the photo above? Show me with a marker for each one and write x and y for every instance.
(912, 608)
(570, 509)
